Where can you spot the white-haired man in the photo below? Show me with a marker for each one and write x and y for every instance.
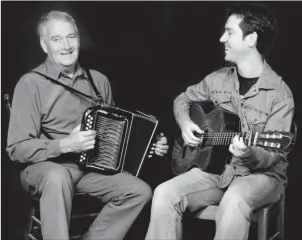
(44, 137)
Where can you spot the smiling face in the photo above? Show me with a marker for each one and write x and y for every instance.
(236, 46)
(60, 41)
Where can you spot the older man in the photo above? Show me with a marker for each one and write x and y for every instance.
(44, 137)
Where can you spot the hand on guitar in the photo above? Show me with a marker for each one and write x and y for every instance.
(189, 130)
(239, 149)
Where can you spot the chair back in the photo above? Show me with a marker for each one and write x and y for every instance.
(8, 104)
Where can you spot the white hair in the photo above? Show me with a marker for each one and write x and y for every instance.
(58, 15)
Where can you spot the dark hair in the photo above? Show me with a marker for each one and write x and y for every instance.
(256, 18)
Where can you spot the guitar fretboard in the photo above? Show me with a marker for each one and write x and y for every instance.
(225, 138)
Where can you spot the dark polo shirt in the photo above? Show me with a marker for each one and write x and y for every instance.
(39, 103)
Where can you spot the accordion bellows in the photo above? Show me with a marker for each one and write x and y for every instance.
(123, 139)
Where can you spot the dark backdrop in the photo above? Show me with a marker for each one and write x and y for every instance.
(150, 51)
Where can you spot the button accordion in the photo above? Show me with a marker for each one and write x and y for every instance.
(123, 139)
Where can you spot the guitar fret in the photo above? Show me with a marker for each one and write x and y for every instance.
(255, 140)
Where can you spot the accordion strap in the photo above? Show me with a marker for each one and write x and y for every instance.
(98, 100)
(99, 97)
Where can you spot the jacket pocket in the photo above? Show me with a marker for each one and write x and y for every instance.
(221, 97)
(256, 119)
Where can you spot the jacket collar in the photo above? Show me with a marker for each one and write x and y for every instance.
(268, 79)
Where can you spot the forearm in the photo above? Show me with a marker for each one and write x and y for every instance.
(34, 150)
(279, 120)
(263, 159)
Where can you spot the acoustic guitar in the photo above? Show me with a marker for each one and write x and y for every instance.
(220, 126)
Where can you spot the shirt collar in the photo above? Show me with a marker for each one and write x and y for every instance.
(267, 79)
(52, 70)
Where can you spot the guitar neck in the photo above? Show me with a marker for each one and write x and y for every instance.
(225, 138)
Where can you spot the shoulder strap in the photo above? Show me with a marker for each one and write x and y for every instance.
(100, 99)
(67, 87)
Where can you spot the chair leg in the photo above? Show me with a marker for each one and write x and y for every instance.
(29, 225)
(280, 218)
(262, 224)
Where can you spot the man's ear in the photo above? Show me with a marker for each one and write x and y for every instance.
(252, 39)
(43, 45)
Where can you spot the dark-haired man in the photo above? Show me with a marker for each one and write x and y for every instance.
(254, 176)
(44, 137)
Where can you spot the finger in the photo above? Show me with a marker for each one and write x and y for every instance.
(162, 151)
(162, 140)
(89, 138)
(192, 139)
(159, 154)
(197, 129)
(159, 136)
(231, 149)
(159, 146)
(89, 133)
(235, 139)
(89, 147)
(90, 143)
(239, 144)
(242, 142)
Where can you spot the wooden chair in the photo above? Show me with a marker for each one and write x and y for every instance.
(85, 209)
(264, 217)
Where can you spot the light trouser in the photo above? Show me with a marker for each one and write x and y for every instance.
(196, 189)
(124, 195)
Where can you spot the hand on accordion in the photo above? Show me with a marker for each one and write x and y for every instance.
(78, 141)
(161, 146)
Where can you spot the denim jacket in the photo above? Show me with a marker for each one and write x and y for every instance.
(268, 105)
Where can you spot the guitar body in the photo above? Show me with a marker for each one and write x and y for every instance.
(210, 159)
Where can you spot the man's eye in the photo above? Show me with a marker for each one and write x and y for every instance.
(56, 39)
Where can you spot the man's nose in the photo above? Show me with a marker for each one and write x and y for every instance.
(223, 38)
(66, 43)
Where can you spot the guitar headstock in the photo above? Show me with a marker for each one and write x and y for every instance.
(280, 141)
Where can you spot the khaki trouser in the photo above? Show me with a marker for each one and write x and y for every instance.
(124, 195)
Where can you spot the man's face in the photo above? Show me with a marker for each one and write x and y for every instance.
(61, 42)
(235, 46)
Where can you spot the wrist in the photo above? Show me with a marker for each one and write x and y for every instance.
(248, 153)
(63, 146)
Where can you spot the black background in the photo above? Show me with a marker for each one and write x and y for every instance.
(150, 51)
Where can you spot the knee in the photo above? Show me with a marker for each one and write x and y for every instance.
(162, 195)
(58, 178)
(144, 191)
(235, 203)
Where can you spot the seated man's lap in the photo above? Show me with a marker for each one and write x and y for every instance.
(256, 189)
